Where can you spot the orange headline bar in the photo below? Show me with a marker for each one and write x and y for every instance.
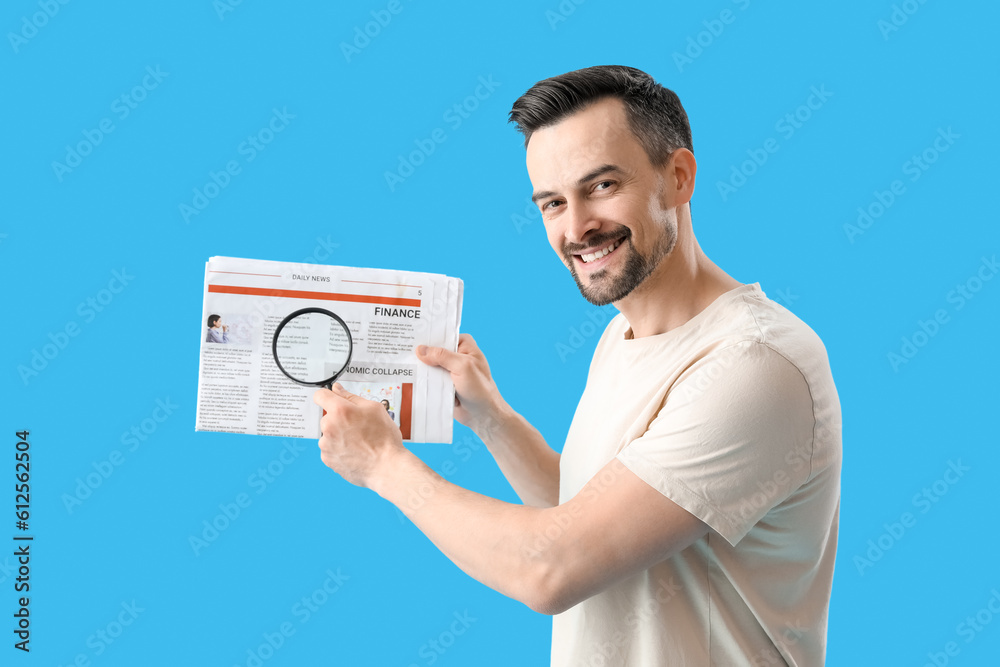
(323, 296)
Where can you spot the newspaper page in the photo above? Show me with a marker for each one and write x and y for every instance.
(242, 390)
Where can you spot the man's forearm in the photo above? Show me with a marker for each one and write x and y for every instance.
(490, 540)
(525, 459)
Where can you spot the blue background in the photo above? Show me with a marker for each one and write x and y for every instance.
(321, 184)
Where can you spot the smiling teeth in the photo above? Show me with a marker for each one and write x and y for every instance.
(600, 253)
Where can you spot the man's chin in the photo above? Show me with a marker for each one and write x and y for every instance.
(597, 300)
(595, 295)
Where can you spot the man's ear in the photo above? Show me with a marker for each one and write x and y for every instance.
(682, 167)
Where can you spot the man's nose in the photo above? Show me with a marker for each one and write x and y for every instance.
(580, 220)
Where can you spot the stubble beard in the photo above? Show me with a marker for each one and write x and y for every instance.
(604, 288)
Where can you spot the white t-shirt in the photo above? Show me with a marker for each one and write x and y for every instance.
(734, 416)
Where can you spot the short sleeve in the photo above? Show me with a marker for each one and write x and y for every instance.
(733, 438)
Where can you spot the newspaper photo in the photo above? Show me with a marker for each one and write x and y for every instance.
(388, 313)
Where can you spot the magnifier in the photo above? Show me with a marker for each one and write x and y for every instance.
(312, 347)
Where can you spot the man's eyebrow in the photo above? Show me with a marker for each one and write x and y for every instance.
(600, 171)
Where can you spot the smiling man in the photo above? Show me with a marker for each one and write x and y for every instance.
(691, 516)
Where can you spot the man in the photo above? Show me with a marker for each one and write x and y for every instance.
(217, 332)
(691, 518)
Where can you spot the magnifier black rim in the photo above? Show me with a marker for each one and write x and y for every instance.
(304, 311)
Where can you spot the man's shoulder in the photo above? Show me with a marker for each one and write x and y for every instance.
(778, 328)
(743, 320)
(745, 314)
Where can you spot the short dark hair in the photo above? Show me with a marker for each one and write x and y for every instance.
(655, 114)
(212, 319)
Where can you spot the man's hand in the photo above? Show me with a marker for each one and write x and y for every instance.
(358, 437)
(477, 399)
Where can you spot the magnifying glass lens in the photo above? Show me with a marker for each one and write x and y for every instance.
(312, 347)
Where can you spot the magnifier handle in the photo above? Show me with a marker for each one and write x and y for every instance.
(328, 385)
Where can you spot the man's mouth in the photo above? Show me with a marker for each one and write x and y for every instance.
(600, 253)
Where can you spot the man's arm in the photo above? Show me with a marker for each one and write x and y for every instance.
(525, 459)
(548, 558)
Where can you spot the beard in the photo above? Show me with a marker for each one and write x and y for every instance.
(603, 286)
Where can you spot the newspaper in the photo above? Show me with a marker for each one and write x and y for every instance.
(242, 390)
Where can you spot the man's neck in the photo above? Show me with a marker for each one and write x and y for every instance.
(683, 285)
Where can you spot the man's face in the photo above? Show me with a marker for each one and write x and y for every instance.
(605, 208)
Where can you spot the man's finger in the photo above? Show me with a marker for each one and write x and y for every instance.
(339, 390)
(467, 344)
(322, 397)
(438, 356)
(328, 399)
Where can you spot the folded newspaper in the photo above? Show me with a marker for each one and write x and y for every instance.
(242, 390)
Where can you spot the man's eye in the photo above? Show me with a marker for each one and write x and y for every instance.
(551, 204)
(608, 184)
